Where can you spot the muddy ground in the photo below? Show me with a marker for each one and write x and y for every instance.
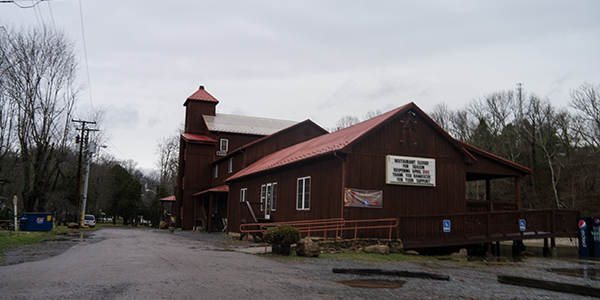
(117, 263)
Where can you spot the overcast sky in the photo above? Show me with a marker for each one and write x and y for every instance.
(318, 60)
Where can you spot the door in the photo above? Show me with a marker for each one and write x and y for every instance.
(268, 201)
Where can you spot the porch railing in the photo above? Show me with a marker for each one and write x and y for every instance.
(486, 226)
(485, 206)
(328, 227)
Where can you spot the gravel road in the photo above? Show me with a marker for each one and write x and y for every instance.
(117, 263)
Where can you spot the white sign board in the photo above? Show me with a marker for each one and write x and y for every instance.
(410, 170)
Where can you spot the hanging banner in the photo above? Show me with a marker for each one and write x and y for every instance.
(363, 198)
(410, 170)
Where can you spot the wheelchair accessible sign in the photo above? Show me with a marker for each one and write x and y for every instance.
(446, 225)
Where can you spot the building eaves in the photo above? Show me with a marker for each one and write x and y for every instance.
(218, 189)
(191, 137)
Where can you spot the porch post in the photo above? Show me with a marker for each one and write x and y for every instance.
(518, 192)
(209, 217)
(488, 190)
(195, 212)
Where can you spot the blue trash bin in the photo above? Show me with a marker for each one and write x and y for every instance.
(36, 222)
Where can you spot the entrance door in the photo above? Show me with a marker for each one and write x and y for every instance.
(268, 201)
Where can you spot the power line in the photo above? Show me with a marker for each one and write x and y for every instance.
(23, 6)
(87, 69)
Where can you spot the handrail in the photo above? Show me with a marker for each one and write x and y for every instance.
(322, 225)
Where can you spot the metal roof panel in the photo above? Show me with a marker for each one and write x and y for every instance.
(245, 124)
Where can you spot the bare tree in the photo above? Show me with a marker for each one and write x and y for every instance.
(586, 100)
(372, 114)
(442, 115)
(345, 121)
(167, 160)
(39, 83)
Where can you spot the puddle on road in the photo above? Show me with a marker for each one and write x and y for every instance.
(592, 273)
(76, 236)
(373, 283)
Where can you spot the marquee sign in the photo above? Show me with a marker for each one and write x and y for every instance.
(407, 170)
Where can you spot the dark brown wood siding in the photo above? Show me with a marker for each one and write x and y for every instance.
(292, 136)
(195, 178)
(406, 135)
(325, 196)
(194, 122)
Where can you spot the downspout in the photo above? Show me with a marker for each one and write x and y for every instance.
(343, 181)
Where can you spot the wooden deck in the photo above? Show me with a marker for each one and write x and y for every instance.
(485, 227)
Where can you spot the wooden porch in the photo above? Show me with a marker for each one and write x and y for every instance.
(485, 227)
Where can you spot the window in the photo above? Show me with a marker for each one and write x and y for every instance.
(274, 199)
(263, 196)
(303, 196)
(243, 195)
(217, 171)
(230, 168)
(224, 145)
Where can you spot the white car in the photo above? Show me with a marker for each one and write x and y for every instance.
(89, 220)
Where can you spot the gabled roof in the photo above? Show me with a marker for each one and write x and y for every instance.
(318, 146)
(245, 124)
(201, 95)
(283, 131)
(192, 137)
(341, 139)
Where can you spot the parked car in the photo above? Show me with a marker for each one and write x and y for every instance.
(89, 220)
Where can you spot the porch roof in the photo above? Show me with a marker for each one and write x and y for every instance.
(168, 199)
(218, 189)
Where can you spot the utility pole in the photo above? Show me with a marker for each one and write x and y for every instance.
(520, 95)
(89, 151)
(84, 138)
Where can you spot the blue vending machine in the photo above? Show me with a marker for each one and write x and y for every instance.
(595, 237)
(583, 235)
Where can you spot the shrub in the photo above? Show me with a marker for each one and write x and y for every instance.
(282, 235)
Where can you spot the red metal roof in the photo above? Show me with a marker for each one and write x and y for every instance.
(191, 137)
(169, 199)
(495, 157)
(201, 95)
(338, 140)
(318, 146)
(218, 189)
(236, 151)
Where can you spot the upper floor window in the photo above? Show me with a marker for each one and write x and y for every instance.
(303, 195)
(230, 168)
(224, 145)
(217, 171)
(243, 193)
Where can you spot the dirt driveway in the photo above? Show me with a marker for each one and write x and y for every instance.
(119, 263)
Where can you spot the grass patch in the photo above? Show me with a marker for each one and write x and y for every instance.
(12, 239)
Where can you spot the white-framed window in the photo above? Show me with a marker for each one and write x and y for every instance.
(230, 168)
(224, 145)
(217, 171)
(303, 195)
(243, 193)
(263, 196)
(274, 197)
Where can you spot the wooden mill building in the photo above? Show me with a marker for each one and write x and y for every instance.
(399, 165)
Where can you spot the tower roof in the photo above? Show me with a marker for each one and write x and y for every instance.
(201, 95)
